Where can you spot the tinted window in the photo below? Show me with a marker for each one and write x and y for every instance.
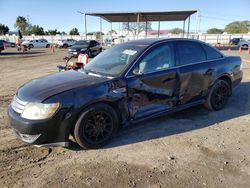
(160, 58)
(211, 53)
(82, 42)
(190, 52)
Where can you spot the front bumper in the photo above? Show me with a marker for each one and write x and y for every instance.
(49, 132)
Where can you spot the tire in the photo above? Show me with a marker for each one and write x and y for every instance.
(218, 95)
(96, 126)
(65, 46)
(48, 45)
(31, 46)
(245, 46)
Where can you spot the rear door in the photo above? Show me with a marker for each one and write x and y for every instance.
(153, 82)
(196, 71)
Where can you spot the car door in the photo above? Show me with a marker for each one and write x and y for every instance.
(152, 83)
(194, 69)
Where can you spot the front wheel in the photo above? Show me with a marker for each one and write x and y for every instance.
(96, 126)
(218, 95)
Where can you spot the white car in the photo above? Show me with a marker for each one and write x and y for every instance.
(40, 43)
(65, 43)
(244, 43)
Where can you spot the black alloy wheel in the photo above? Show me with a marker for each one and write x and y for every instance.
(96, 126)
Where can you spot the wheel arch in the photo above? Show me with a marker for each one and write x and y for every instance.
(111, 104)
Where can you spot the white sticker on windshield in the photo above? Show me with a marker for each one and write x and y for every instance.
(129, 52)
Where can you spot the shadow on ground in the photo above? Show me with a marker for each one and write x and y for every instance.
(183, 121)
(19, 53)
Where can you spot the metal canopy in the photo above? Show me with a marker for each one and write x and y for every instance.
(144, 16)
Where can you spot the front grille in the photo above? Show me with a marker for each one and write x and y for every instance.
(18, 105)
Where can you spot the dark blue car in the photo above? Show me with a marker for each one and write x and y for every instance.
(127, 83)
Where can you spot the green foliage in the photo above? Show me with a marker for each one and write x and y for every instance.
(23, 25)
(132, 27)
(176, 30)
(214, 31)
(238, 27)
(4, 29)
(37, 30)
(74, 31)
(52, 32)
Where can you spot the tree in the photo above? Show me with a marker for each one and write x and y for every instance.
(63, 33)
(132, 27)
(176, 30)
(37, 30)
(23, 24)
(238, 27)
(112, 32)
(74, 31)
(52, 32)
(4, 29)
(214, 31)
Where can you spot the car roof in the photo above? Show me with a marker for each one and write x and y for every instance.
(151, 41)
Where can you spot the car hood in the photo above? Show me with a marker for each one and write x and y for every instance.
(42, 88)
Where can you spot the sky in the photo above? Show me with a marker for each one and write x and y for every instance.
(62, 14)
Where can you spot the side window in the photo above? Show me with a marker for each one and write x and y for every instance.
(160, 58)
(190, 52)
(211, 53)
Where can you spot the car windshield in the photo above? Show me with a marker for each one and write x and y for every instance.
(82, 42)
(113, 61)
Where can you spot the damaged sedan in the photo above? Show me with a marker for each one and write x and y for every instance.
(127, 83)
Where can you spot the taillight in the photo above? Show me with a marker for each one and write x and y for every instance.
(79, 64)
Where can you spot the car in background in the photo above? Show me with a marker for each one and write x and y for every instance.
(8, 44)
(65, 43)
(125, 84)
(90, 47)
(40, 43)
(1, 46)
(234, 41)
(244, 43)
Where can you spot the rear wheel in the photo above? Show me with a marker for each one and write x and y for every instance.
(31, 46)
(48, 45)
(65, 46)
(96, 126)
(218, 95)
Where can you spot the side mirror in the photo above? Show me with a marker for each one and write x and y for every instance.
(137, 71)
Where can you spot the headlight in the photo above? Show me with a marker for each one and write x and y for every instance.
(36, 111)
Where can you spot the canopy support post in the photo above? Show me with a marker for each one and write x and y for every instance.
(138, 24)
(188, 27)
(183, 32)
(85, 25)
(111, 31)
(159, 25)
(101, 29)
(146, 29)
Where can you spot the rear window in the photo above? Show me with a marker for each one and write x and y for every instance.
(211, 53)
(190, 52)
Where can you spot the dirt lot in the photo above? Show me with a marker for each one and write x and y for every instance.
(193, 148)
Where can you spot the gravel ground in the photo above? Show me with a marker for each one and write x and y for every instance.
(192, 148)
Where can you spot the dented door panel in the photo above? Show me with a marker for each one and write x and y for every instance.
(152, 93)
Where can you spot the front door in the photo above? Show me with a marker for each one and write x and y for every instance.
(153, 83)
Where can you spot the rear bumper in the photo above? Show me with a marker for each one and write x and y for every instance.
(237, 79)
(50, 132)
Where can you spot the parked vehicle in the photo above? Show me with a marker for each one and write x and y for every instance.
(124, 84)
(65, 43)
(40, 43)
(234, 41)
(1, 46)
(90, 47)
(8, 44)
(244, 43)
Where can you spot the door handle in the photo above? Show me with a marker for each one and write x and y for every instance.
(209, 72)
